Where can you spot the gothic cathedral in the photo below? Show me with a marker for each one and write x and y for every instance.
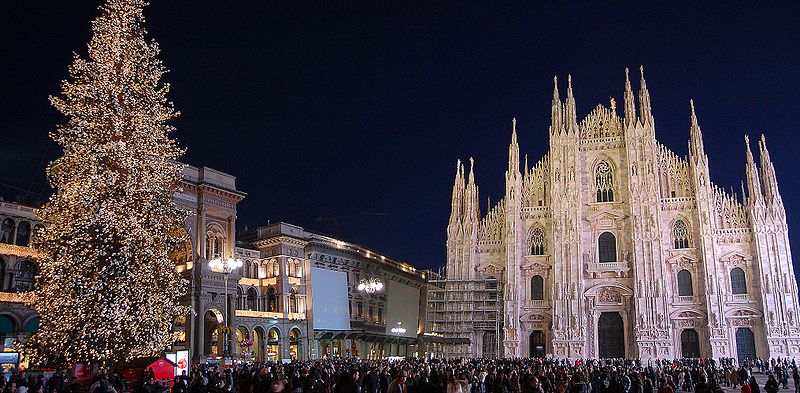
(612, 245)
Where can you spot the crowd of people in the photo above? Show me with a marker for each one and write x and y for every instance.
(445, 376)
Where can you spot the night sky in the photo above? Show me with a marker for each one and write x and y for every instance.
(348, 118)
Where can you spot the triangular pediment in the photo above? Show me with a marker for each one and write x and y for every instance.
(735, 256)
(604, 214)
(680, 258)
(687, 314)
(743, 313)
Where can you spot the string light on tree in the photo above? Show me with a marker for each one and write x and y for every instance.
(107, 291)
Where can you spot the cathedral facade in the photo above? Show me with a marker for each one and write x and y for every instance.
(612, 245)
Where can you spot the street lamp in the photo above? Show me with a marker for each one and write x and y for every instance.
(225, 267)
(370, 286)
(398, 331)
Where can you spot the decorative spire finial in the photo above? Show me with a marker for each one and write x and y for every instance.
(630, 104)
(613, 104)
(644, 98)
(555, 90)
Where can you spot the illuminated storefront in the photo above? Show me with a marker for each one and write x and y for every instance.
(273, 344)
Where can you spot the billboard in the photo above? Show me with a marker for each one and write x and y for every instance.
(329, 300)
(403, 307)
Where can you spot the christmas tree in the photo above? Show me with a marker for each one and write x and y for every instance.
(107, 291)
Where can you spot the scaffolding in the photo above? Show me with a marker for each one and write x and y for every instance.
(467, 314)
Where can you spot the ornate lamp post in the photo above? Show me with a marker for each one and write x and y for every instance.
(370, 286)
(398, 331)
(225, 267)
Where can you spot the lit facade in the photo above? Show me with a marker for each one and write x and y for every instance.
(292, 247)
(267, 303)
(612, 245)
(17, 271)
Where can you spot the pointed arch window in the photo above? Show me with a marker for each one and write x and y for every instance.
(738, 281)
(604, 182)
(537, 288)
(680, 234)
(685, 283)
(537, 241)
(607, 247)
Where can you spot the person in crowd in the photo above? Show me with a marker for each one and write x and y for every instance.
(399, 383)
(772, 384)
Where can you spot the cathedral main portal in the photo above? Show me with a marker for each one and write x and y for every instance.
(537, 344)
(610, 335)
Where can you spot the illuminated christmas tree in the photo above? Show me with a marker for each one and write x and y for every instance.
(107, 292)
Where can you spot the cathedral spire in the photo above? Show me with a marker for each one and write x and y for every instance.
(471, 201)
(753, 182)
(695, 136)
(471, 170)
(513, 150)
(644, 97)
(570, 117)
(768, 177)
(630, 103)
(458, 194)
(556, 119)
(526, 164)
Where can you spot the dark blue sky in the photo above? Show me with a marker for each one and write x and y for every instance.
(347, 118)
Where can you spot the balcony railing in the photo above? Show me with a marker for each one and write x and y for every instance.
(683, 299)
(620, 269)
(264, 282)
(744, 297)
(297, 315)
(259, 314)
(11, 297)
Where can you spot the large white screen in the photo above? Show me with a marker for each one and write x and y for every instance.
(329, 299)
(403, 307)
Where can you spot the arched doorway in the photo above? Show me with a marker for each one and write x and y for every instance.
(273, 344)
(258, 343)
(212, 342)
(690, 344)
(745, 344)
(537, 344)
(294, 343)
(242, 338)
(489, 344)
(610, 336)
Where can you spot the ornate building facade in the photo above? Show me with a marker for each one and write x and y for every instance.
(612, 245)
(266, 303)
